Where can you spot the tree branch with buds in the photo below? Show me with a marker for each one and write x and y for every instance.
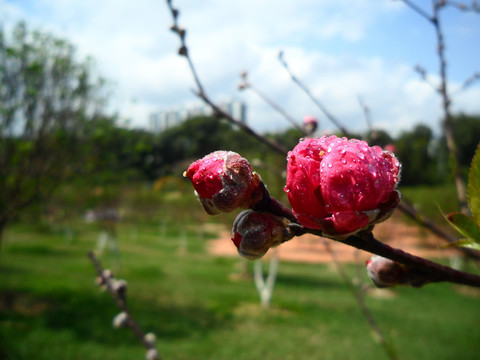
(245, 84)
(118, 290)
(337, 188)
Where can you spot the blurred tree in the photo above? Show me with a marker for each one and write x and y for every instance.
(378, 137)
(195, 138)
(413, 150)
(117, 154)
(467, 137)
(47, 99)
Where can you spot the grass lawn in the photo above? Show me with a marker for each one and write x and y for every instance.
(50, 307)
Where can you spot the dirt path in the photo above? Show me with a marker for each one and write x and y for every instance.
(311, 249)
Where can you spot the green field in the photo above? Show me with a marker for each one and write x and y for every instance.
(50, 307)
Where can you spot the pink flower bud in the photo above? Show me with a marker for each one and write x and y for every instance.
(387, 273)
(390, 147)
(224, 181)
(255, 232)
(310, 124)
(307, 119)
(341, 186)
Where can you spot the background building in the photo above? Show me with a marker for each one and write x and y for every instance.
(163, 120)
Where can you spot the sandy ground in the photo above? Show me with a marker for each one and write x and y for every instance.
(312, 249)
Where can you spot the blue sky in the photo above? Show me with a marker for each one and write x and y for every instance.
(339, 48)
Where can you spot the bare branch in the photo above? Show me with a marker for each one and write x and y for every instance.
(358, 293)
(434, 19)
(408, 210)
(423, 75)
(245, 84)
(200, 92)
(473, 7)
(419, 10)
(366, 112)
(430, 270)
(118, 292)
(317, 102)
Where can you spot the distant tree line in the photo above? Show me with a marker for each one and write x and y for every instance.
(54, 129)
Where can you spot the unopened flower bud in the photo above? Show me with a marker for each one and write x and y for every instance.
(120, 320)
(152, 354)
(310, 124)
(120, 287)
(183, 51)
(255, 232)
(150, 339)
(224, 181)
(390, 147)
(100, 280)
(107, 274)
(387, 273)
(341, 186)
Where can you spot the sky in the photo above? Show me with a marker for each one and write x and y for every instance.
(340, 49)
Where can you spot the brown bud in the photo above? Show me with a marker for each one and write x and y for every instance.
(388, 273)
(255, 232)
(183, 51)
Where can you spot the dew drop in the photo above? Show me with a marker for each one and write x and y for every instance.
(343, 161)
(329, 165)
(361, 155)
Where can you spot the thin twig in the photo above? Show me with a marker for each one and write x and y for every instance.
(247, 85)
(366, 113)
(317, 102)
(358, 294)
(121, 302)
(409, 211)
(419, 10)
(473, 7)
(434, 20)
(200, 91)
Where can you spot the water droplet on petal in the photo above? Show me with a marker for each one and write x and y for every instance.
(361, 155)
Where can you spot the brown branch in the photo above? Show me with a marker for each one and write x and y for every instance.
(434, 19)
(317, 102)
(200, 92)
(473, 7)
(432, 271)
(468, 82)
(407, 210)
(366, 112)
(419, 10)
(247, 85)
(244, 127)
(105, 279)
(358, 293)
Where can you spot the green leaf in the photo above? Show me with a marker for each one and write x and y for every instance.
(465, 225)
(473, 190)
(465, 243)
